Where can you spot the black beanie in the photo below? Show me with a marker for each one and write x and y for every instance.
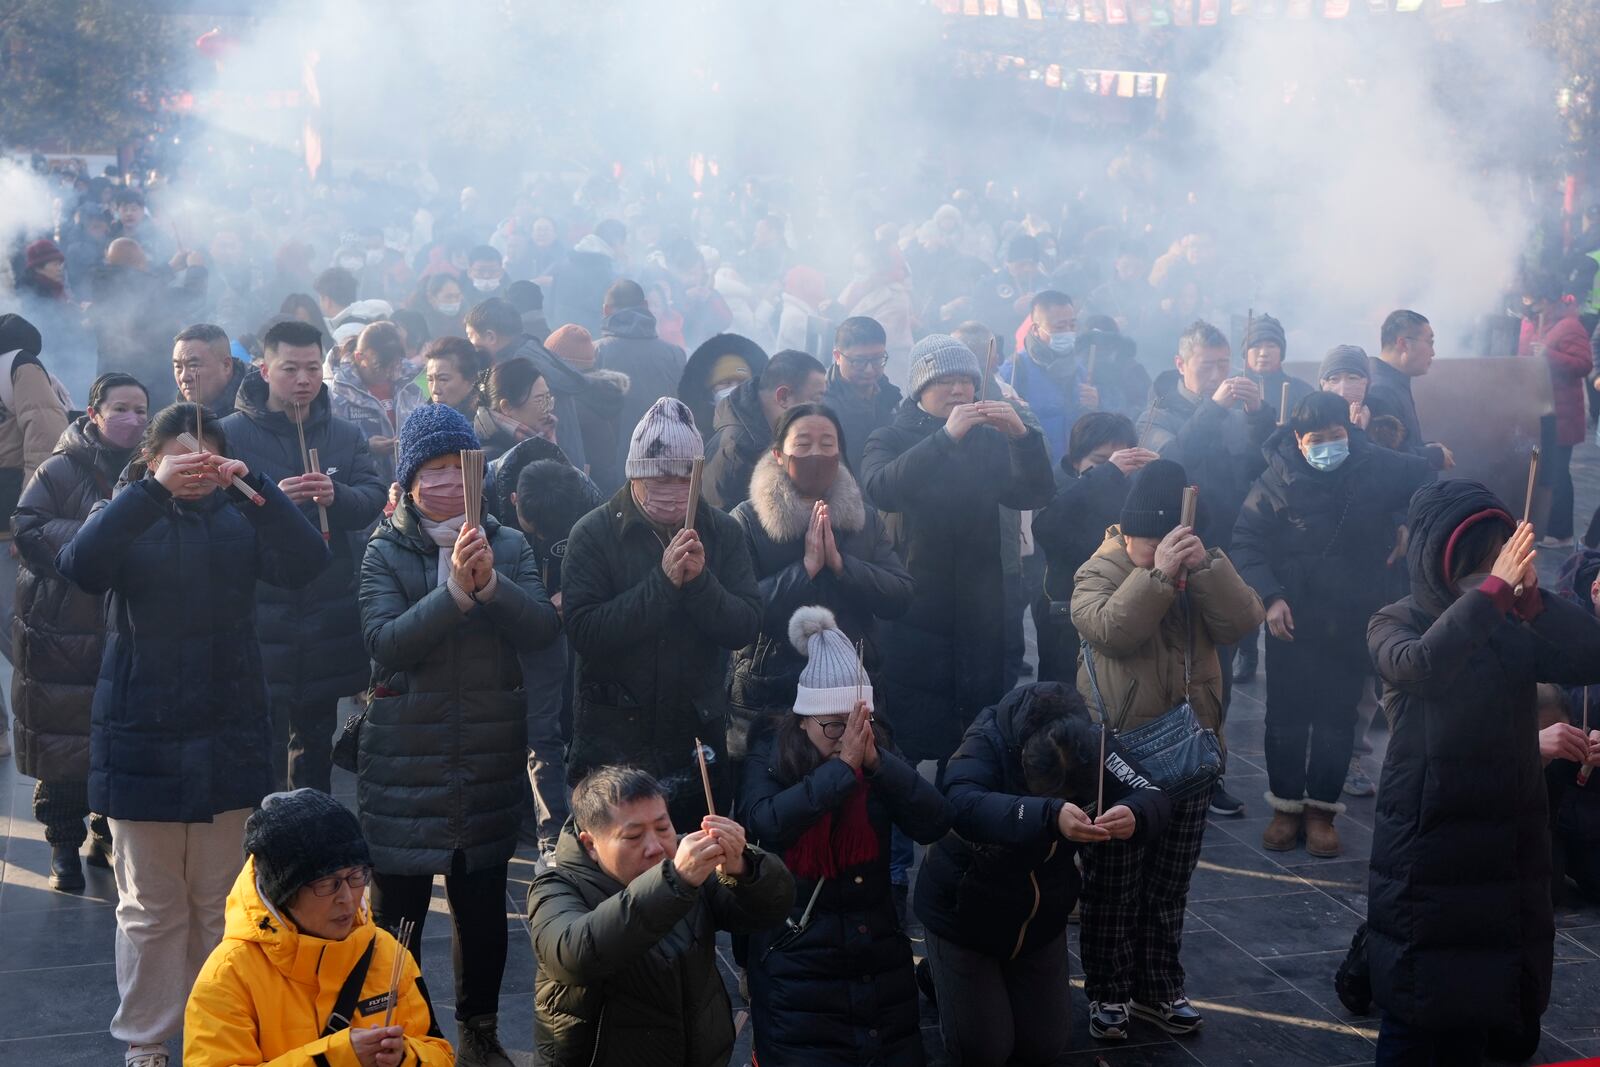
(1266, 330)
(1155, 500)
(299, 837)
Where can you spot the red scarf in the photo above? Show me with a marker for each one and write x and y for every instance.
(831, 845)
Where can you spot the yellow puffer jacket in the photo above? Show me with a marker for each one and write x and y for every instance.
(266, 992)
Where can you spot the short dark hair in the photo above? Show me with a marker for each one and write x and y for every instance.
(1060, 751)
(124, 195)
(859, 330)
(552, 496)
(168, 423)
(457, 350)
(109, 381)
(604, 789)
(297, 302)
(799, 411)
(1544, 285)
(496, 315)
(1200, 335)
(485, 253)
(611, 232)
(294, 333)
(337, 285)
(382, 339)
(1400, 324)
(1096, 428)
(1049, 298)
(1319, 411)
(212, 336)
(790, 367)
(525, 296)
(624, 293)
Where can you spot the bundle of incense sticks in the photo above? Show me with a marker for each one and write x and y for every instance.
(1100, 794)
(402, 934)
(705, 776)
(315, 467)
(199, 423)
(695, 473)
(1191, 503)
(472, 483)
(861, 666)
(187, 440)
(1583, 772)
(1088, 371)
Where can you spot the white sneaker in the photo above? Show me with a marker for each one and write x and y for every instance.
(146, 1056)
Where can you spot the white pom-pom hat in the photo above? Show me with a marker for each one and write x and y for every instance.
(833, 679)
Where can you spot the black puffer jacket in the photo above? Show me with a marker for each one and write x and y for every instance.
(1003, 881)
(860, 416)
(873, 584)
(740, 436)
(629, 345)
(442, 766)
(943, 659)
(1460, 928)
(58, 631)
(628, 973)
(1321, 539)
(181, 726)
(1220, 449)
(650, 654)
(311, 637)
(843, 992)
(1070, 530)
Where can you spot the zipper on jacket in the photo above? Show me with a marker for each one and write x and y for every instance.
(1033, 880)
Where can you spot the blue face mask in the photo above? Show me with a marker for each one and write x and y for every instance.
(1328, 456)
(1063, 343)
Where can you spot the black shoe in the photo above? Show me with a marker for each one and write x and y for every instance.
(1224, 802)
(924, 973)
(1244, 665)
(480, 1044)
(99, 853)
(1175, 1017)
(66, 873)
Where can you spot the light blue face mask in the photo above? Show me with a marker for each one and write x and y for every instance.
(1062, 343)
(1327, 456)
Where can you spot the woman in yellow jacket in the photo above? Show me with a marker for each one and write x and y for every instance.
(301, 978)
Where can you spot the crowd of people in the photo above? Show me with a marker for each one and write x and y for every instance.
(709, 580)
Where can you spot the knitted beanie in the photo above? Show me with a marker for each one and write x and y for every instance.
(431, 430)
(1352, 358)
(1266, 330)
(43, 251)
(1155, 500)
(939, 354)
(573, 345)
(832, 680)
(665, 443)
(299, 837)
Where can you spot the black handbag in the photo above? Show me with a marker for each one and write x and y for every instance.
(1180, 756)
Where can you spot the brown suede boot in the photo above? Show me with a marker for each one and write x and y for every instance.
(1322, 840)
(1283, 832)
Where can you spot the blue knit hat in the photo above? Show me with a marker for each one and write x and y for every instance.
(429, 431)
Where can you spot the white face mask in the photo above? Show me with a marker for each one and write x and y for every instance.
(486, 285)
(723, 393)
(374, 256)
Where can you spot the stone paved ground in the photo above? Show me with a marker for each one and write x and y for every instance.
(1263, 937)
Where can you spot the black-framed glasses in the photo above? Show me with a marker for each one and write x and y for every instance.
(833, 730)
(327, 887)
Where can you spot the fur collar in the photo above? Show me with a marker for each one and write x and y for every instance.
(782, 513)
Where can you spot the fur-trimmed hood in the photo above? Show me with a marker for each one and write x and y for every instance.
(784, 514)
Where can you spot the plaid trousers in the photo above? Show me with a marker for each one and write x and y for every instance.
(61, 807)
(1131, 926)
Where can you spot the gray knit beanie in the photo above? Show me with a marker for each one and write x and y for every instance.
(1350, 358)
(832, 680)
(939, 354)
(665, 443)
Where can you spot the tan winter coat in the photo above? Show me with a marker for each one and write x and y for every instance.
(1134, 622)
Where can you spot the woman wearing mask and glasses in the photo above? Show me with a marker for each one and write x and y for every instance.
(813, 539)
(448, 601)
(59, 630)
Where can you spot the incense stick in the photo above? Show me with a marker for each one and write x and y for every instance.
(1100, 795)
(188, 441)
(695, 472)
(322, 509)
(705, 776)
(1527, 504)
(403, 938)
(1583, 772)
(1088, 373)
(990, 369)
(861, 665)
(300, 429)
(1283, 406)
(199, 423)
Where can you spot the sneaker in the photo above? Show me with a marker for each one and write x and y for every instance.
(1175, 1017)
(480, 1044)
(66, 873)
(1560, 543)
(146, 1056)
(1108, 1021)
(1356, 783)
(1224, 802)
(545, 862)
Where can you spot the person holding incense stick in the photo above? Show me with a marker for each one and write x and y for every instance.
(1051, 375)
(995, 893)
(449, 602)
(823, 786)
(304, 974)
(1153, 603)
(1459, 922)
(310, 637)
(651, 606)
(181, 727)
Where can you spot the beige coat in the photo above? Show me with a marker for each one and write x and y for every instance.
(1134, 622)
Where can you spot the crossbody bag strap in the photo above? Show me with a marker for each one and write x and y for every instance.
(344, 1006)
(1094, 683)
(1188, 643)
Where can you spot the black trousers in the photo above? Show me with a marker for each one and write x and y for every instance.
(302, 750)
(1555, 474)
(478, 916)
(994, 1012)
(61, 806)
(1313, 687)
(1402, 1045)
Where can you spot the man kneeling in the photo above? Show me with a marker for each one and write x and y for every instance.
(624, 928)
(302, 974)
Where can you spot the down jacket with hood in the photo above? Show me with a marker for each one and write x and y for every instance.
(58, 631)
(628, 973)
(266, 992)
(442, 764)
(311, 636)
(1460, 930)
(1004, 880)
(629, 345)
(740, 436)
(872, 585)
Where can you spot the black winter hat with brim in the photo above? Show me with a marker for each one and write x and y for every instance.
(1155, 500)
(299, 837)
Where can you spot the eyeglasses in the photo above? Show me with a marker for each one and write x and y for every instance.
(833, 730)
(865, 362)
(327, 887)
(543, 401)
